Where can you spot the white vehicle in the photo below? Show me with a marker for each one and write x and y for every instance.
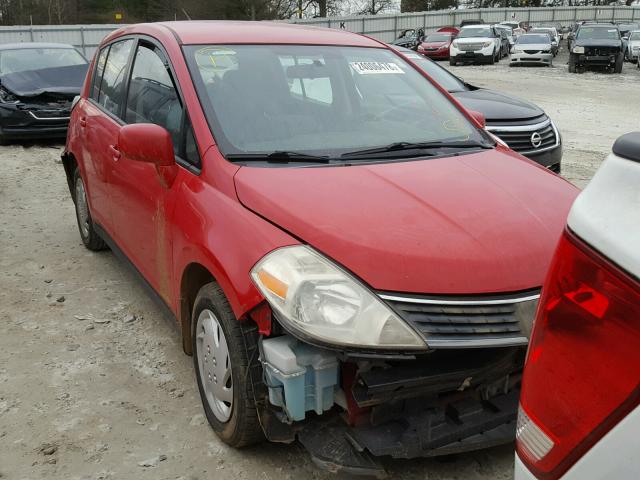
(555, 37)
(531, 49)
(633, 46)
(476, 43)
(579, 413)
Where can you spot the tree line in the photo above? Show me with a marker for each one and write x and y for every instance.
(60, 12)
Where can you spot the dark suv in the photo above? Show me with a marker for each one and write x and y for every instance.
(597, 45)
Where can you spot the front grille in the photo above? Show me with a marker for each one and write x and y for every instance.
(522, 139)
(46, 114)
(531, 52)
(470, 47)
(601, 51)
(455, 322)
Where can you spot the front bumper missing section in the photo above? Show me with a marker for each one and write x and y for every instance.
(453, 428)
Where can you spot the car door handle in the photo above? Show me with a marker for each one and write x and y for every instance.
(83, 122)
(115, 153)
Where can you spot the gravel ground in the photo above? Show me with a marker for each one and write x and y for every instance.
(93, 381)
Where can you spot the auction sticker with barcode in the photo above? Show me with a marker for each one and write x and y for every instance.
(367, 68)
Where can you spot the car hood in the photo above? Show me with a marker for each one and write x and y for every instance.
(485, 222)
(434, 44)
(474, 40)
(497, 106)
(535, 46)
(597, 43)
(66, 81)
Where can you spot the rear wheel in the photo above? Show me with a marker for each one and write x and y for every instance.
(88, 233)
(225, 353)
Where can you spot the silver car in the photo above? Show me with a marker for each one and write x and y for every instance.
(633, 46)
(532, 49)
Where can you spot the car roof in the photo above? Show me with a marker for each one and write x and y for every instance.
(484, 25)
(27, 45)
(199, 32)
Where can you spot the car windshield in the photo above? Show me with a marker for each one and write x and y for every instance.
(475, 32)
(438, 37)
(442, 76)
(319, 100)
(25, 59)
(533, 39)
(598, 33)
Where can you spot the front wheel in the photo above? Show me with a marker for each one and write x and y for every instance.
(88, 233)
(619, 64)
(452, 61)
(572, 65)
(225, 353)
(492, 59)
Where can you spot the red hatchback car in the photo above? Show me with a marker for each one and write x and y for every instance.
(436, 45)
(352, 260)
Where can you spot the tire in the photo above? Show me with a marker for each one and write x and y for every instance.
(88, 233)
(619, 63)
(233, 415)
(452, 61)
(492, 59)
(572, 65)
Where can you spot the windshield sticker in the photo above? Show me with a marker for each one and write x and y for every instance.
(369, 68)
(412, 56)
(612, 31)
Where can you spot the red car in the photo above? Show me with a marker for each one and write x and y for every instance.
(352, 260)
(436, 45)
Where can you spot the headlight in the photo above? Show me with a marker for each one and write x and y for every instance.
(578, 49)
(517, 50)
(315, 298)
(454, 43)
(6, 97)
(487, 44)
(420, 48)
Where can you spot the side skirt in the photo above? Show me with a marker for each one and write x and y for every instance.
(167, 313)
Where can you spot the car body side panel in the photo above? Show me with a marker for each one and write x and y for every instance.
(605, 212)
(205, 240)
(615, 456)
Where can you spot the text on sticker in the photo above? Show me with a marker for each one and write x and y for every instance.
(367, 68)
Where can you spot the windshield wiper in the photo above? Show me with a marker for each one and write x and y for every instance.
(403, 146)
(279, 157)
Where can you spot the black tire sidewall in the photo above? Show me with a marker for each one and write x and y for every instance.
(92, 241)
(232, 431)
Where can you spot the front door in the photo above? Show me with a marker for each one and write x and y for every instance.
(141, 203)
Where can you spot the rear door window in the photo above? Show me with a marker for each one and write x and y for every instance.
(97, 77)
(111, 92)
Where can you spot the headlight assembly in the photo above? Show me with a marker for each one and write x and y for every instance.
(578, 49)
(316, 299)
(487, 44)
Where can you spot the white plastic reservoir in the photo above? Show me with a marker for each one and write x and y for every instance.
(300, 377)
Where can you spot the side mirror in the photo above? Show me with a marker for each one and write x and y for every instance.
(146, 142)
(149, 143)
(478, 117)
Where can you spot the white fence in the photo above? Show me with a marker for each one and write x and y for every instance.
(382, 27)
(387, 27)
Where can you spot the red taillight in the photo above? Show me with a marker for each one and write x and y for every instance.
(583, 367)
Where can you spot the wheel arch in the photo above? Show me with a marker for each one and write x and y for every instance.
(70, 164)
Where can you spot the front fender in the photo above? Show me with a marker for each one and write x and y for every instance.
(214, 230)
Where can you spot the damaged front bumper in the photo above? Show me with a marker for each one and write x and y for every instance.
(347, 410)
(33, 120)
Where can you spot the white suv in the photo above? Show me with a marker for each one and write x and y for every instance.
(476, 43)
(579, 414)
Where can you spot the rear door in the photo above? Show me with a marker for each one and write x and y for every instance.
(141, 203)
(101, 122)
